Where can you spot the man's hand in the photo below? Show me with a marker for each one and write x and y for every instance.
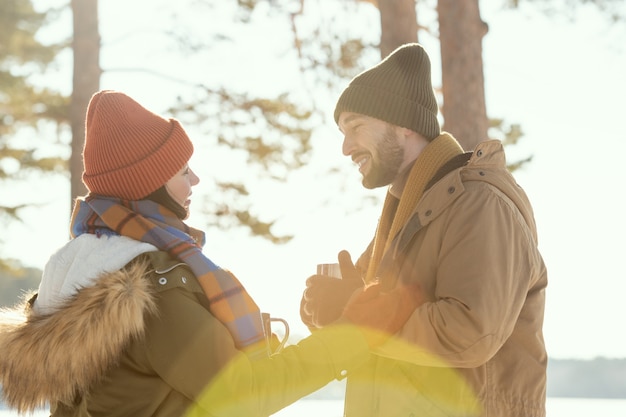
(380, 315)
(325, 297)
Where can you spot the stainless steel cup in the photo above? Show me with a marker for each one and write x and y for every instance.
(267, 326)
(331, 270)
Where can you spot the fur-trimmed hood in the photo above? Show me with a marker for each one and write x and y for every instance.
(52, 351)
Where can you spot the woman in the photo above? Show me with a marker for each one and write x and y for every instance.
(132, 319)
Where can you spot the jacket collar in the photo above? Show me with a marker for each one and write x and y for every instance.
(487, 158)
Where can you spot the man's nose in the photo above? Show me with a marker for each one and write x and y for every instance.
(347, 146)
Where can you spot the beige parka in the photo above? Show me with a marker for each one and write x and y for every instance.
(476, 348)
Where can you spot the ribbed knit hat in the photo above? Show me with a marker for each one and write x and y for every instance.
(130, 151)
(398, 91)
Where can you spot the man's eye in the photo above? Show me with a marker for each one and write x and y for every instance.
(354, 128)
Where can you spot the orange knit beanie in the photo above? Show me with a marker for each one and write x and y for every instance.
(129, 151)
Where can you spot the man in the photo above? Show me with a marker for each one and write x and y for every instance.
(459, 226)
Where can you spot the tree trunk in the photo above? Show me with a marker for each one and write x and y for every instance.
(461, 31)
(398, 23)
(86, 81)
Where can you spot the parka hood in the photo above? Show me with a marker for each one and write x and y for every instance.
(57, 350)
(80, 263)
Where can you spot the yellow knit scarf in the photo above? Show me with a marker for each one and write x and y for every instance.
(430, 160)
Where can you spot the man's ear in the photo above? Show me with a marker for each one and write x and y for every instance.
(406, 133)
(414, 143)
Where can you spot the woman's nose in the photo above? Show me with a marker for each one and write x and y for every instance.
(194, 178)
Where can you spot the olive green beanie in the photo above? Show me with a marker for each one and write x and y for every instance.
(398, 91)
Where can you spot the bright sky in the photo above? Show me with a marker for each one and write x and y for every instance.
(562, 81)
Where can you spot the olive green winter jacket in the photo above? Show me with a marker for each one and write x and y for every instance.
(140, 341)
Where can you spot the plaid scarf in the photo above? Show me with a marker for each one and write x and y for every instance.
(150, 222)
(395, 214)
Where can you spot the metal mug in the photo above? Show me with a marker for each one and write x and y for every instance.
(267, 326)
(330, 270)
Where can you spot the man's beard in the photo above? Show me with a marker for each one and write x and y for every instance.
(386, 163)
